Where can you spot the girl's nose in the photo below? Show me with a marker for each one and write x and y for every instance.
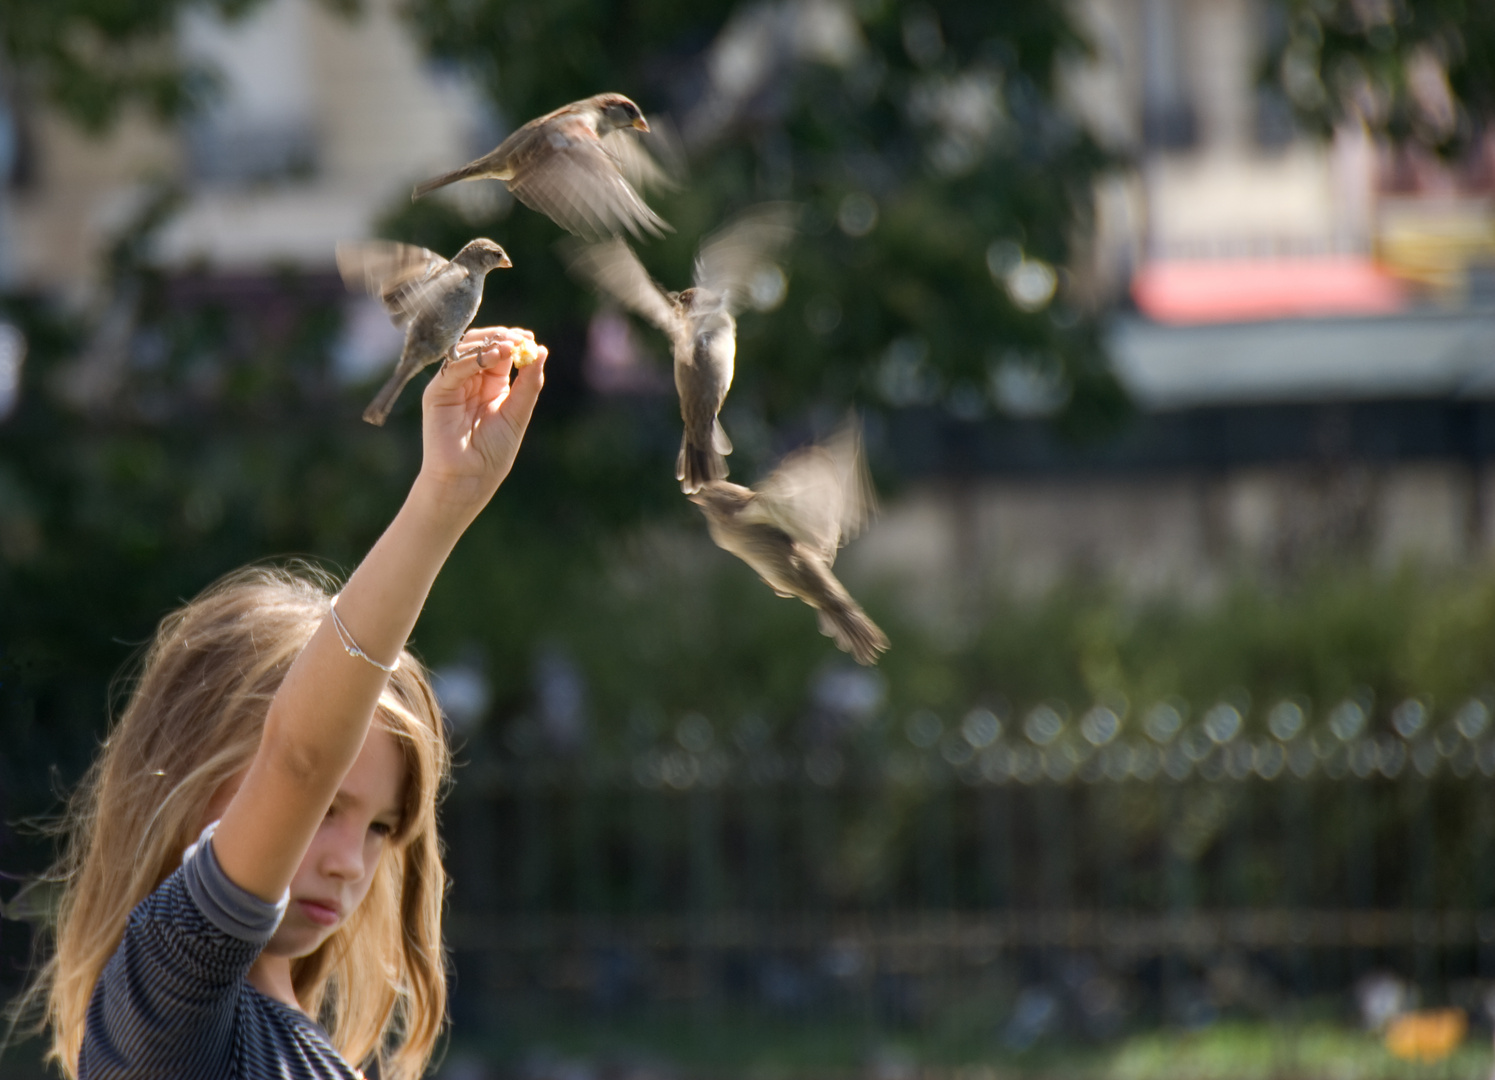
(344, 855)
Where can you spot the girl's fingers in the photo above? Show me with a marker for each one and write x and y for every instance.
(454, 373)
(492, 334)
(524, 389)
(488, 352)
(496, 359)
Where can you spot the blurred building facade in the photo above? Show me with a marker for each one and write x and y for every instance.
(1307, 328)
(318, 121)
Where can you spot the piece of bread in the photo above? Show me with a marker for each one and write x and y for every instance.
(525, 353)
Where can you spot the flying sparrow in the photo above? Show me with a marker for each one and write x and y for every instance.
(700, 321)
(788, 526)
(432, 299)
(578, 166)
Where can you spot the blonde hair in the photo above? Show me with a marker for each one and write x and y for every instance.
(193, 720)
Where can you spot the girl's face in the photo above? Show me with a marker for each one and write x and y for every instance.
(339, 867)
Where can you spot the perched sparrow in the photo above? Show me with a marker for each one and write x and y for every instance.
(575, 165)
(432, 299)
(788, 526)
(700, 321)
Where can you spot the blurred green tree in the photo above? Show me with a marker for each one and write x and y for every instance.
(1418, 70)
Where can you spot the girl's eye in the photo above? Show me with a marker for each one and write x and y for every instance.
(381, 828)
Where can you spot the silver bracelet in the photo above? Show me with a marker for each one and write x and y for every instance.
(351, 647)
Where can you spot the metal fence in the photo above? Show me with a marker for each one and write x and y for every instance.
(887, 881)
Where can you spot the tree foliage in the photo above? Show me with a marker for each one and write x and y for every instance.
(1419, 70)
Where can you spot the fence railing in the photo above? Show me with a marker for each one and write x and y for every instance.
(718, 871)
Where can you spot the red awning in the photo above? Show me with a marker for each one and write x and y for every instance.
(1247, 290)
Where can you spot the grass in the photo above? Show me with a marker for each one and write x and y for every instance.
(787, 1049)
(1261, 1052)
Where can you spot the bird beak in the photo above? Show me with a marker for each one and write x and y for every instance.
(641, 124)
(503, 261)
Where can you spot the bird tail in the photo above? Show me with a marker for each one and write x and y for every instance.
(384, 400)
(695, 466)
(853, 632)
(425, 187)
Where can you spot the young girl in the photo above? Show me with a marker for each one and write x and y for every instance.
(255, 849)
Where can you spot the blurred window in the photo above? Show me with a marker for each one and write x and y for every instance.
(1275, 125)
(1168, 120)
(10, 144)
(258, 124)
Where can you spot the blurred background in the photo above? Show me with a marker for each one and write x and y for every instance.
(1172, 325)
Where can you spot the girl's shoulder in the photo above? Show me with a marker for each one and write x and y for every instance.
(195, 936)
(174, 1000)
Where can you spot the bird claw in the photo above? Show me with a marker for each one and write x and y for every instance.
(476, 352)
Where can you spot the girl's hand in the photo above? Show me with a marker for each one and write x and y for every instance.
(475, 416)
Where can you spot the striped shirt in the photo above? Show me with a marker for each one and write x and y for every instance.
(173, 1001)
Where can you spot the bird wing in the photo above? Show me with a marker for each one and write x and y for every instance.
(613, 267)
(858, 497)
(821, 495)
(730, 257)
(652, 160)
(404, 277)
(562, 169)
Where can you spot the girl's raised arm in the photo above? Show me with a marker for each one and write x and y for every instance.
(474, 418)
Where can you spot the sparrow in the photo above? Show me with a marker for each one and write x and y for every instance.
(788, 526)
(577, 166)
(700, 321)
(432, 299)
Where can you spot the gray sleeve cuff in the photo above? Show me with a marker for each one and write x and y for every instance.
(237, 912)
